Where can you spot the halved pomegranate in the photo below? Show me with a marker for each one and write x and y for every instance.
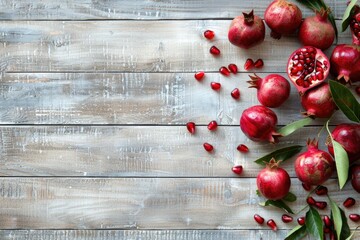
(307, 67)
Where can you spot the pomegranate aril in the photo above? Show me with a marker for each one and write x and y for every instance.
(286, 218)
(242, 148)
(327, 221)
(215, 85)
(259, 63)
(321, 190)
(209, 34)
(214, 50)
(233, 68)
(349, 202)
(248, 64)
(190, 127)
(327, 230)
(208, 147)
(311, 201)
(224, 71)
(354, 217)
(199, 75)
(238, 169)
(271, 224)
(235, 93)
(301, 220)
(258, 219)
(357, 90)
(212, 125)
(321, 205)
(307, 187)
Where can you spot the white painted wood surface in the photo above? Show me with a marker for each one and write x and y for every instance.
(94, 96)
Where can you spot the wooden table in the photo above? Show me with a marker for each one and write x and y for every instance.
(95, 96)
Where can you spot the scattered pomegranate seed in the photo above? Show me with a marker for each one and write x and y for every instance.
(321, 205)
(301, 220)
(214, 50)
(215, 85)
(271, 223)
(248, 64)
(306, 186)
(327, 230)
(209, 34)
(321, 190)
(238, 169)
(349, 202)
(286, 218)
(258, 219)
(354, 217)
(235, 93)
(259, 63)
(357, 90)
(224, 71)
(212, 125)
(191, 127)
(333, 235)
(242, 148)
(233, 68)
(199, 75)
(327, 221)
(311, 201)
(208, 147)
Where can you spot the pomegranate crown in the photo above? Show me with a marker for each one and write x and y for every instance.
(323, 13)
(254, 81)
(312, 143)
(249, 17)
(273, 164)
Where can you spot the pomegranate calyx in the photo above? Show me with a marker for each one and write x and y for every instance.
(273, 164)
(312, 143)
(274, 137)
(254, 81)
(323, 13)
(249, 17)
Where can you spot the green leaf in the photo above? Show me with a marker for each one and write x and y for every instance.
(280, 154)
(314, 223)
(297, 233)
(290, 197)
(347, 15)
(277, 203)
(345, 230)
(292, 127)
(336, 217)
(352, 234)
(341, 160)
(345, 101)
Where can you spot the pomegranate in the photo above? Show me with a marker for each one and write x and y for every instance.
(272, 90)
(317, 31)
(345, 62)
(273, 182)
(246, 31)
(355, 177)
(348, 135)
(307, 67)
(318, 102)
(282, 17)
(355, 25)
(258, 123)
(314, 166)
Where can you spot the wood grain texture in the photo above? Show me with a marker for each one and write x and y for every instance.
(143, 203)
(137, 9)
(132, 46)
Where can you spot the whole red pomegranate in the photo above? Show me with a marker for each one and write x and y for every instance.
(355, 177)
(348, 135)
(258, 123)
(345, 62)
(247, 30)
(355, 25)
(273, 182)
(317, 31)
(272, 90)
(318, 102)
(307, 67)
(282, 17)
(314, 166)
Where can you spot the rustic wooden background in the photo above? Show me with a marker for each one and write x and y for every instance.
(95, 95)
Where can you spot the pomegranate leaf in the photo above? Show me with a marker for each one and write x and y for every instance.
(290, 197)
(340, 221)
(292, 127)
(280, 154)
(297, 233)
(345, 101)
(314, 223)
(277, 203)
(347, 15)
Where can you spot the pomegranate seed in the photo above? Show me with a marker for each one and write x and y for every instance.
(357, 90)
(237, 169)
(327, 221)
(235, 93)
(215, 85)
(224, 71)
(332, 235)
(208, 147)
(258, 219)
(354, 217)
(259, 63)
(191, 127)
(214, 50)
(311, 201)
(349, 202)
(306, 187)
(286, 218)
(242, 148)
(327, 230)
(271, 223)
(321, 205)
(209, 34)
(199, 75)
(301, 220)
(321, 190)
(212, 125)
(248, 64)
(233, 68)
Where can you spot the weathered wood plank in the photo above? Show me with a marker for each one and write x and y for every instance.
(131, 98)
(142, 203)
(137, 9)
(134, 46)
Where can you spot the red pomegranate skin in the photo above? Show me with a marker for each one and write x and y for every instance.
(345, 62)
(355, 177)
